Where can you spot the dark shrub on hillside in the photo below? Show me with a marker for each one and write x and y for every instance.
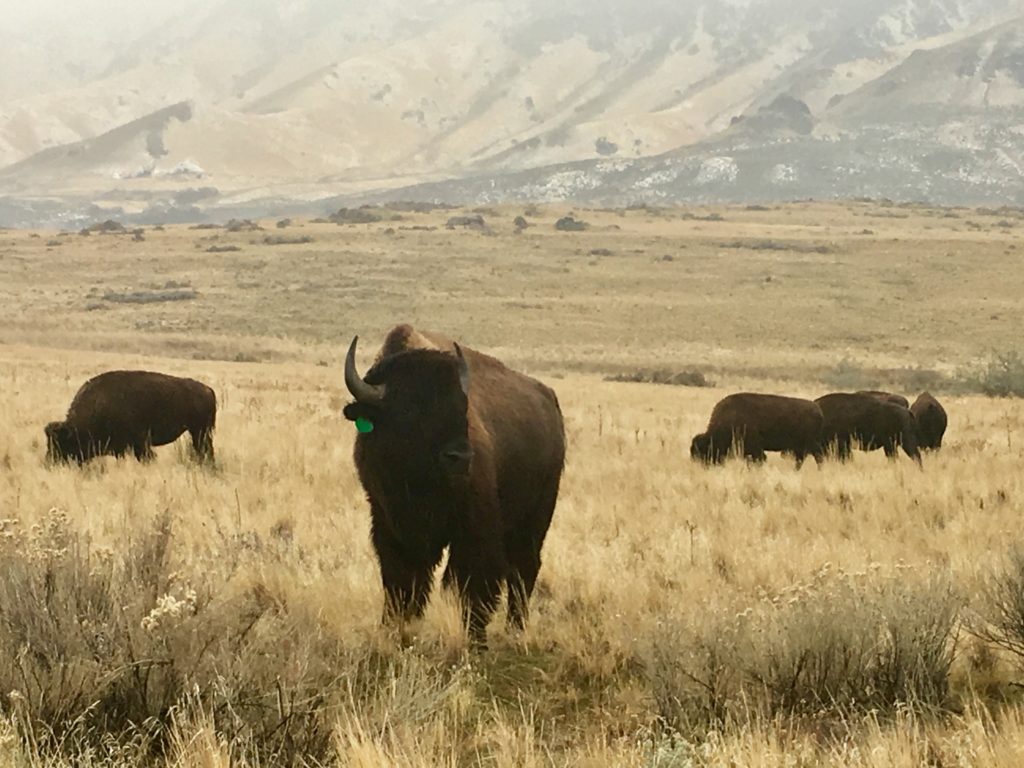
(570, 224)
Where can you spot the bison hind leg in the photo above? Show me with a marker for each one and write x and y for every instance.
(202, 443)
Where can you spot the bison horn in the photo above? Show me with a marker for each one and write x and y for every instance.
(463, 369)
(361, 391)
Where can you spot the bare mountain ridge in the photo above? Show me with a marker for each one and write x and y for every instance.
(336, 101)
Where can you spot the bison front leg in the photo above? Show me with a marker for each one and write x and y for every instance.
(524, 564)
(143, 449)
(478, 590)
(477, 569)
(406, 581)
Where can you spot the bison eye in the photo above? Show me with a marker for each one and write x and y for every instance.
(364, 425)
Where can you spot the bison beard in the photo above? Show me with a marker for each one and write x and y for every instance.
(463, 453)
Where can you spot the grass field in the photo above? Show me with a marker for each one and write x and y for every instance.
(857, 615)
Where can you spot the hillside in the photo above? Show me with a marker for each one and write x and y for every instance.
(270, 106)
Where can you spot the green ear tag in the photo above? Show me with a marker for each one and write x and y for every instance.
(364, 425)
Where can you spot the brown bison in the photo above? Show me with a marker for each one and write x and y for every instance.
(121, 411)
(454, 450)
(872, 422)
(761, 423)
(886, 397)
(931, 421)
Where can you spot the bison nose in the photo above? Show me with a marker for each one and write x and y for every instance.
(455, 457)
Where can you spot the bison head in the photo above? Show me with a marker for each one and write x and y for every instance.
(700, 448)
(62, 443)
(412, 411)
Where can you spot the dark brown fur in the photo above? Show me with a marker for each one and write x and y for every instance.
(121, 411)
(762, 423)
(870, 421)
(478, 475)
(886, 397)
(931, 421)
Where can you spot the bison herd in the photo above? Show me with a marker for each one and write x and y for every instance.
(456, 451)
(752, 424)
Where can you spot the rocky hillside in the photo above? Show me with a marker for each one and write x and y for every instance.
(187, 110)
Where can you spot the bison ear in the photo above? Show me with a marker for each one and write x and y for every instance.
(357, 411)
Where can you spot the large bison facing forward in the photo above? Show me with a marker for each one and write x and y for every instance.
(761, 423)
(454, 450)
(121, 411)
(872, 422)
(931, 421)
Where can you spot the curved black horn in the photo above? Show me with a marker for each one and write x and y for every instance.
(361, 391)
(463, 369)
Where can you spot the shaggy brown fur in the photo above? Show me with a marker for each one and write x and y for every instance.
(886, 397)
(121, 411)
(762, 423)
(931, 421)
(478, 474)
(870, 421)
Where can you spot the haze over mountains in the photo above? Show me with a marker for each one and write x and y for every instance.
(200, 109)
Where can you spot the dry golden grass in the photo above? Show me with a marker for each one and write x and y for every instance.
(278, 656)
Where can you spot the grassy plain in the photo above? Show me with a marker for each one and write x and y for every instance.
(684, 616)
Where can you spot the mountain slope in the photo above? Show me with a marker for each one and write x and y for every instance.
(313, 98)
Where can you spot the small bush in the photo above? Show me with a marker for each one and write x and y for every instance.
(355, 216)
(827, 648)
(242, 225)
(663, 376)
(849, 375)
(99, 651)
(287, 240)
(1002, 375)
(837, 645)
(570, 224)
(1000, 620)
(150, 297)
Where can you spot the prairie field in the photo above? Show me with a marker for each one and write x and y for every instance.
(863, 614)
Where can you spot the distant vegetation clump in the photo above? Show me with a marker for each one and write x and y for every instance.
(472, 221)
(151, 297)
(570, 224)
(1002, 375)
(286, 240)
(242, 225)
(355, 216)
(663, 376)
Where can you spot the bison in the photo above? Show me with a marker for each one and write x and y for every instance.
(873, 422)
(120, 411)
(454, 450)
(931, 421)
(761, 423)
(886, 397)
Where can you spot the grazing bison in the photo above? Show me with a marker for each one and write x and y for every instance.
(454, 450)
(886, 397)
(121, 411)
(762, 423)
(931, 421)
(874, 423)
